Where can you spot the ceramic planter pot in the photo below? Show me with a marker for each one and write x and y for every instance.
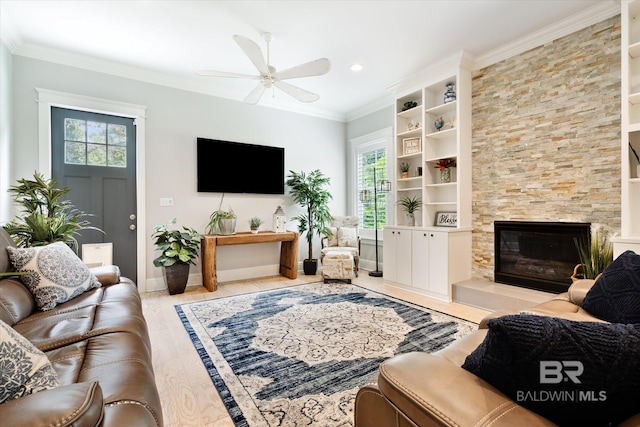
(227, 226)
(176, 277)
(310, 266)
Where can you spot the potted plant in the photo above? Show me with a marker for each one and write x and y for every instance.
(309, 191)
(404, 170)
(254, 224)
(410, 205)
(46, 217)
(222, 221)
(444, 165)
(595, 254)
(177, 249)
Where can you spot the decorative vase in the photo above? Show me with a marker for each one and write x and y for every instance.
(176, 277)
(411, 219)
(438, 124)
(254, 231)
(404, 174)
(445, 175)
(449, 95)
(227, 226)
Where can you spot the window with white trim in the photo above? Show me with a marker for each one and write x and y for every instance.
(371, 159)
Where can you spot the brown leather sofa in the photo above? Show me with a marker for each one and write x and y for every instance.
(420, 389)
(99, 346)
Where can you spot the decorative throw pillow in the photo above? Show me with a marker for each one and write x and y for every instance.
(57, 274)
(333, 239)
(347, 236)
(571, 372)
(23, 368)
(615, 297)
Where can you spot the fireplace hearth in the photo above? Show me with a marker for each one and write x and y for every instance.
(537, 255)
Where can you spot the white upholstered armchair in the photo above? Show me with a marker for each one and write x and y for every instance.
(344, 237)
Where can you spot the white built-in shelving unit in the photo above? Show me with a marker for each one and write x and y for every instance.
(630, 76)
(426, 257)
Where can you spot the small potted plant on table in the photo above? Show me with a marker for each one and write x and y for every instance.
(404, 170)
(255, 224)
(222, 221)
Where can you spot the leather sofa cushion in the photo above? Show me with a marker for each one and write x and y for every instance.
(16, 302)
(609, 354)
(77, 405)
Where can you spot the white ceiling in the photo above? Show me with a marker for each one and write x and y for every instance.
(168, 41)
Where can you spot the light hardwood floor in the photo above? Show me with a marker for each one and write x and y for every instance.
(186, 391)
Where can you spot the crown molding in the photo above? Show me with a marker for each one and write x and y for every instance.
(191, 84)
(369, 108)
(573, 23)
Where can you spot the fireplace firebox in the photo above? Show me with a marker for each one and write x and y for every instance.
(538, 255)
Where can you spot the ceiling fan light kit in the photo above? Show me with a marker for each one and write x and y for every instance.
(269, 77)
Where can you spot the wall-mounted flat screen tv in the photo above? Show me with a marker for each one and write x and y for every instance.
(233, 167)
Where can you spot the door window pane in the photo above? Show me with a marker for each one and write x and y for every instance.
(95, 143)
(74, 130)
(367, 162)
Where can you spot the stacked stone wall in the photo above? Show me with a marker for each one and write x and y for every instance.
(546, 137)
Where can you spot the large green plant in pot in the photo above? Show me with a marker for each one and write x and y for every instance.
(46, 217)
(178, 249)
(310, 192)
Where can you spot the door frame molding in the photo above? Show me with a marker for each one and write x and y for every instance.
(50, 98)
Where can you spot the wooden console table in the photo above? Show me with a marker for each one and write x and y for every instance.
(288, 252)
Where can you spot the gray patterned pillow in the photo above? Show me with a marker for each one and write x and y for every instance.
(58, 275)
(23, 368)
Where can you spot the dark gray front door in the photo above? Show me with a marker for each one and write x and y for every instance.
(94, 155)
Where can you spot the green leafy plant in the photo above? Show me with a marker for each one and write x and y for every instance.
(404, 167)
(175, 246)
(410, 204)
(596, 253)
(255, 223)
(309, 191)
(46, 217)
(216, 216)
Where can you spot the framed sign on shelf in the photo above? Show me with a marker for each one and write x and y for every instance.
(447, 219)
(411, 146)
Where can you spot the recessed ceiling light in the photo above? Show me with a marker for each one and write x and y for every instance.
(356, 67)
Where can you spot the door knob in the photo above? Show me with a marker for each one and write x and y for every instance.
(132, 227)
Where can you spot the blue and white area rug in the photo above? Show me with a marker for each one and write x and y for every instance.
(297, 356)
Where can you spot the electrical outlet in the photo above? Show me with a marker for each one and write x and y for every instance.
(166, 201)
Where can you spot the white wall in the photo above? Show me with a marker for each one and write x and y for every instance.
(175, 118)
(5, 131)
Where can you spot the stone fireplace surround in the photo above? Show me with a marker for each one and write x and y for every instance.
(546, 138)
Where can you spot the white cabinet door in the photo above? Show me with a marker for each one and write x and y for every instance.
(389, 258)
(403, 257)
(420, 259)
(439, 263)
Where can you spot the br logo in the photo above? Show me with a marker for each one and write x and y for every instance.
(555, 372)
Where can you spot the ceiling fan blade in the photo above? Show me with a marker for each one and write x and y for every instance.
(252, 50)
(255, 94)
(298, 93)
(313, 68)
(213, 73)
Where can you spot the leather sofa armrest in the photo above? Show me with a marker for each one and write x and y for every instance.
(76, 405)
(432, 391)
(107, 274)
(578, 290)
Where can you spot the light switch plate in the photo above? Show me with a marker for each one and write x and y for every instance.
(166, 201)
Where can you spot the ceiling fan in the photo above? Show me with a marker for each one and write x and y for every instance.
(269, 77)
